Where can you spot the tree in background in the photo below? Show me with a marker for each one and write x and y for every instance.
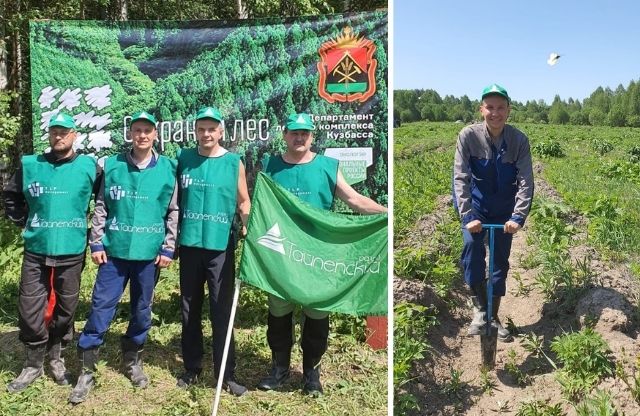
(15, 15)
(604, 107)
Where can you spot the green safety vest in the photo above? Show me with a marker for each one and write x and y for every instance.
(58, 197)
(136, 202)
(313, 182)
(209, 193)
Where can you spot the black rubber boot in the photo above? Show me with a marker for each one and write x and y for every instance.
(232, 386)
(279, 373)
(56, 362)
(315, 336)
(88, 361)
(32, 369)
(188, 378)
(503, 333)
(479, 301)
(280, 338)
(311, 376)
(132, 361)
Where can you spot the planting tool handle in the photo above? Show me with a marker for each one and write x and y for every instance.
(227, 343)
(491, 228)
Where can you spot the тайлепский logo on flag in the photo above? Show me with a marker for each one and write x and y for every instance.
(273, 240)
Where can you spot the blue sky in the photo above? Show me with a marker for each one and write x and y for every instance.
(459, 47)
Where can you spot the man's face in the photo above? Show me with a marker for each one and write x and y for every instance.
(495, 111)
(61, 139)
(298, 141)
(208, 133)
(142, 134)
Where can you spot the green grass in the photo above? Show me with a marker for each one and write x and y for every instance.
(354, 376)
(423, 160)
(422, 172)
(602, 186)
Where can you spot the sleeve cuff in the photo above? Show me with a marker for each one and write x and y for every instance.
(517, 219)
(167, 253)
(96, 247)
(468, 218)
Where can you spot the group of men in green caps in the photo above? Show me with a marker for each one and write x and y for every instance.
(146, 206)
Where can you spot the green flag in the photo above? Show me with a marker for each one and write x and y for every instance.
(316, 258)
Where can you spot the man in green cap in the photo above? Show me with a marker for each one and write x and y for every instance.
(315, 179)
(213, 188)
(492, 184)
(133, 235)
(49, 197)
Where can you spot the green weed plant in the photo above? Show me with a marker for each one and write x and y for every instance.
(601, 146)
(598, 404)
(539, 408)
(548, 148)
(411, 324)
(585, 361)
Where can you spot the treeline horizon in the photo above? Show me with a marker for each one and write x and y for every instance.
(604, 107)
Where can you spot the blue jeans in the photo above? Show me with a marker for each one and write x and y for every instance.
(110, 283)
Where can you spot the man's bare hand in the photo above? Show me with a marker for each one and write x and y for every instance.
(163, 261)
(474, 226)
(511, 227)
(99, 257)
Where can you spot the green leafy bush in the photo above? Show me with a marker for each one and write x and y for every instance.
(548, 148)
(585, 360)
(601, 146)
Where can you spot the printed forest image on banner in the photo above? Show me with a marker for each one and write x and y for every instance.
(257, 72)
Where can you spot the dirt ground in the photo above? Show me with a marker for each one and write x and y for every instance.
(609, 303)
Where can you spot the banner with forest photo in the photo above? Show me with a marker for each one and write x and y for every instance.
(256, 72)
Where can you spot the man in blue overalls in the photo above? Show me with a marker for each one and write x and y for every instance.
(492, 183)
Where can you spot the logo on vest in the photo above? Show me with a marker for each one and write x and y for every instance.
(185, 181)
(273, 240)
(116, 192)
(114, 224)
(298, 192)
(221, 217)
(36, 189)
(37, 222)
(156, 228)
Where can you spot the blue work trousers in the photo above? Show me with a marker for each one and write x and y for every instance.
(474, 253)
(111, 281)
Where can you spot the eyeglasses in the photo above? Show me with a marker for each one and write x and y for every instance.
(61, 132)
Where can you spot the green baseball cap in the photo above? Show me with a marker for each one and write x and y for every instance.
(143, 116)
(209, 112)
(62, 120)
(300, 121)
(495, 89)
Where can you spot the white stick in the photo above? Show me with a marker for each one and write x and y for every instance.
(227, 342)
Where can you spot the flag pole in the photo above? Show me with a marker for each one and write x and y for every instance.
(227, 342)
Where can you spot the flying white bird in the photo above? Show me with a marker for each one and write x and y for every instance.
(553, 59)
